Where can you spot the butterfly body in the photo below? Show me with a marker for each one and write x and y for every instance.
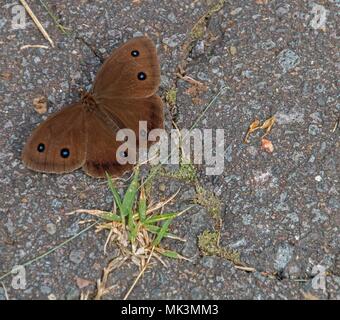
(84, 133)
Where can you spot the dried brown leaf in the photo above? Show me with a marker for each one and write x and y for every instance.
(267, 125)
(40, 104)
(255, 125)
(83, 283)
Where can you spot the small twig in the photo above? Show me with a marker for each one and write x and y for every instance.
(336, 125)
(33, 46)
(162, 204)
(140, 274)
(93, 212)
(189, 80)
(249, 269)
(37, 22)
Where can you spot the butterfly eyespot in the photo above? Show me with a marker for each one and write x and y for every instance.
(65, 153)
(141, 76)
(135, 53)
(41, 147)
(124, 154)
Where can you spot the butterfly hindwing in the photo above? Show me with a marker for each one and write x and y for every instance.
(58, 144)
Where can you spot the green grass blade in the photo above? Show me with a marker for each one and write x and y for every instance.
(161, 217)
(130, 195)
(142, 205)
(162, 232)
(132, 228)
(115, 193)
(110, 216)
(171, 254)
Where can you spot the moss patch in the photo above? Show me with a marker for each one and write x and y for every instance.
(186, 172)
(208, 200)
(198, 30)
(171, 96)
(208, 243)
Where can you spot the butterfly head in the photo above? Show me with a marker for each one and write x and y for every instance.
(88, 101)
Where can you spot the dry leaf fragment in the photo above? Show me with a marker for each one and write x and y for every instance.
(255, 125)
(40, 104)
(6, 76)
(82, 283)
(267, 145)
(233, 50)
(267, 125)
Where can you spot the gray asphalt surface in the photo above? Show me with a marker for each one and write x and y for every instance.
(280, 210)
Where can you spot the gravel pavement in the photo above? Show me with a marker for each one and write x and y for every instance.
(279, 209)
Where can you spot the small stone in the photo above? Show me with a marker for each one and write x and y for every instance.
(282, 11)
(314, 130)
(319, 19)
(208, 262)
(283, 256)
(52, 297)
(8, 124)
(247, 219)
(236, 11)
(51, 228)
(137, 34)
(172, 17)
(202, 76)
(318, 216)
(45, 289)
(288, 59)
(247, 74)
(172, 41)
(198, 49)
(318, 178)
(267, 45)
(76, 256)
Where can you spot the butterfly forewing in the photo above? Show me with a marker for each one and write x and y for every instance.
(132, 71)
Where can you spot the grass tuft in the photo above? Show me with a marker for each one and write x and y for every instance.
(137, 227)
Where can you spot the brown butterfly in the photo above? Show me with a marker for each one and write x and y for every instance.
(83, 134)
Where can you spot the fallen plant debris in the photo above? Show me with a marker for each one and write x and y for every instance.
(5, 76)
(256, 125)
(40, 104)
(37, 23)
